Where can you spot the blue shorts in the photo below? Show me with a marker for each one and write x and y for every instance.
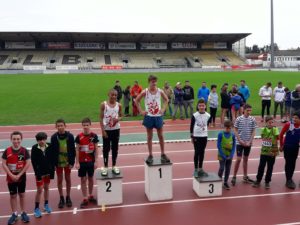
(151, 122)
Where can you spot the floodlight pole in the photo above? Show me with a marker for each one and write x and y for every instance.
(272, 36)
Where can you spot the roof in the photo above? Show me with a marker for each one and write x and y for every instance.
(120, 37)
(287, 53)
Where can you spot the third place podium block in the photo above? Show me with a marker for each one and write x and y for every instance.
(109, 190)
(158, 180)
(209, 186)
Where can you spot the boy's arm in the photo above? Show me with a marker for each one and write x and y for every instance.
(282, 133)
(220, 146)
(236, 133)
(233, 146)
(101, 116)
(166, 101)
(34, 163)
(72, 150)
(96, 165)
(77, 165)
(138, 102)
(6, 169)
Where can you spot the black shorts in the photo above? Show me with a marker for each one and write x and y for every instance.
(242, 149)
(86, 168)
(17, 187)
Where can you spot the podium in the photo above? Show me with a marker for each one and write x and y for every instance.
(109, 188)
(209, 186)
(158, 180)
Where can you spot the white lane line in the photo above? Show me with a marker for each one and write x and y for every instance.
(142, 182)
(293, 223)
(175, 202)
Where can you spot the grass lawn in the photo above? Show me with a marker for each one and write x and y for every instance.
(41, 99)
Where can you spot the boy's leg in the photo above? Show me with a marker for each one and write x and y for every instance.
(22, 201)
(263, 106)
(181, 111)
(196, 152)
(270, 165)
(115, 146)
(239, 153)
(268, 107)
(290, 162)
(59, 173)
(67, 171)
(221, 168)
(83, 181)
(227, 169)
(275, 109)
(185, 105)
(91, 185)
(191, 108)
(38, 195)
(203, 144)
(261, 168)
(149, 139)
(161, 140)
(175, 111)
(106, 149)
(281, 110)
(245, 160)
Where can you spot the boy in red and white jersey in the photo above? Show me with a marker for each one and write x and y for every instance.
(15, 162)
(110, 115)
(87, 160)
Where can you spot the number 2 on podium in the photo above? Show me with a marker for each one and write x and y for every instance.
(160, 173)
(108, 185)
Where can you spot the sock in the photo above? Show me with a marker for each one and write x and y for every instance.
(46, 202)
(37, 205)
(16, 213)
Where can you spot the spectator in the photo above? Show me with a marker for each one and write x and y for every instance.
(178, 100)
(213, 100)
(295, 97)
(225, 102)
(235, 104)
(188, 99)
(279, 99)
(244, 90)
(234, 88)
(203, 92)
(135, 91)
(126, 100)
(170, 94)
(287, 104)
(118, 88)
(265, 92)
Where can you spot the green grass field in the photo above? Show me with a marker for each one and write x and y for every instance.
(41, 99)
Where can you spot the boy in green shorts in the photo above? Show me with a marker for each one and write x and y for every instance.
(269, 151)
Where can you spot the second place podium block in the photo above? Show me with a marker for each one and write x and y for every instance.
(158, 180)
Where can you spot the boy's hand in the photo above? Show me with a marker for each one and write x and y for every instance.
(77, 166)
(144, 113)
(115, 121)
(281, 149)
(228, 158)
(192, 140)
(15, 178)
(104, 134)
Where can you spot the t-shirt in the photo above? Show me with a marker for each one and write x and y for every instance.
(15, 161)
(269, 141)
(63, 153)
(245, 126)
(199, 124)
(279, 94)
(86, 146)
(153, 102)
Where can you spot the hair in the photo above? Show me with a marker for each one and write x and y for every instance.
(227, 124)
(234, 91)
(136, 81)
(112, 90)
(187, 81)
(16, 133)
(86, 120)
(297, 113)
(41, 136)
(60, 121)
(280, 83)
(201, 101)
(213, 86)
(247, 106)
(268, 118)
(269, 84)
(117, 81)
(286, 89)
(152, 77)
(128, 87)
(203, 82)
(243, 81)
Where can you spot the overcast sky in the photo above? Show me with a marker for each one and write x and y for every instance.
(157, 16)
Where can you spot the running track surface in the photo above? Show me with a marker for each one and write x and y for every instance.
(243, 204)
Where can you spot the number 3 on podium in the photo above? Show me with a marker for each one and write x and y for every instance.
(211, 188)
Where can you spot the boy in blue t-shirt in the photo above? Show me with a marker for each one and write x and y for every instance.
(226, 148)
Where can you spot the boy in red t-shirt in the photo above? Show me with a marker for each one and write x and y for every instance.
(87, 160)
(15, 162)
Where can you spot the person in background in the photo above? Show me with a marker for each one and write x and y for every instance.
(178, 101)
(118, 88)
(167, 89)
(225, 102)
(279, 94)
(188, 99)
(213, 100)
(244, 90)
(135, 91)
(236, 102)
(265, 92)
(126, 100)
(203, 92)
(287, 104)
(295, 97)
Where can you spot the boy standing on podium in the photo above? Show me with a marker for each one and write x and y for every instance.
(153, 115)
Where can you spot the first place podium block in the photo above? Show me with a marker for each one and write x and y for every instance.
(158, 180)
(109, 188)
(209, 186)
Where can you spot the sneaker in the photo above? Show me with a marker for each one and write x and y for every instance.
(226, 186)
(61, 203)
(246, 179)
(104, 171)
(37, 213)
(25, 217)
(92, 200)
(202, 173)
(68, 201)
(84, 204)
(149, 159)
(233, 181)
(267, 185)
(196, 175)
(164, 158)
(13, 218)
(256, 184)
(290, 184)
(116, 170)
(47, 208)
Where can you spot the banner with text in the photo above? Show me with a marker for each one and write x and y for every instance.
(19, 45)
(56, 45)
(153, 46)
(220, 45)
(121, 45)
(89, 45)
(184, 45)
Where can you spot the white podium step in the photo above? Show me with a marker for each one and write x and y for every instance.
(158, 180)
(109, 190)
(209, 186)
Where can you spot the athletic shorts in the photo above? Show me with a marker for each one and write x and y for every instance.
(242, 149)
(60, 170)
(86, 168)
(151, 122)
(45, 180)
(17, 187)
